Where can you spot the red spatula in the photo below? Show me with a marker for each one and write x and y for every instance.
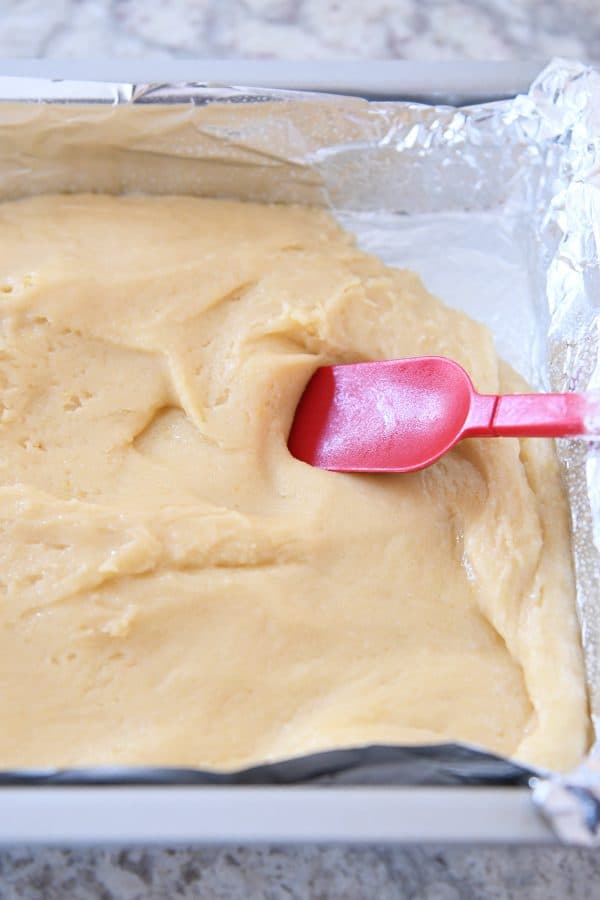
(402, 415)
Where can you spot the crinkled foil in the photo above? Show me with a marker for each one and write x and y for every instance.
(496, 206)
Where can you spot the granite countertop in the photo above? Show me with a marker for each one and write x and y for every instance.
(302, 29)
(301, 873)
(409, 29)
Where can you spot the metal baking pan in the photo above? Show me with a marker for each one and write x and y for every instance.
(430, 82)
(117, 813)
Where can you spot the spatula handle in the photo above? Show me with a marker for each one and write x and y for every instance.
(533, 415)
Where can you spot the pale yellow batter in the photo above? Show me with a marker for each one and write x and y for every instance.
(174, 587)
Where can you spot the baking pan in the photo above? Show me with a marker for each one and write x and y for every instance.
(453, 83)
(107, 809)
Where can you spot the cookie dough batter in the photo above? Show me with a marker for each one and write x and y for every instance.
(175, 588)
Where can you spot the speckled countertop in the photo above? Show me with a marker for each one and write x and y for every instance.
(301, 29)
(303, 873)
(409, 29)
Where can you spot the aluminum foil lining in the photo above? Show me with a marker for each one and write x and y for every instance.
(508, 193)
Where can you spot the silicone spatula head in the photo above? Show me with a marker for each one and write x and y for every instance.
(392, 416)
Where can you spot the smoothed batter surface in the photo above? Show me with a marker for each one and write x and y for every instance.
(174, 587)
